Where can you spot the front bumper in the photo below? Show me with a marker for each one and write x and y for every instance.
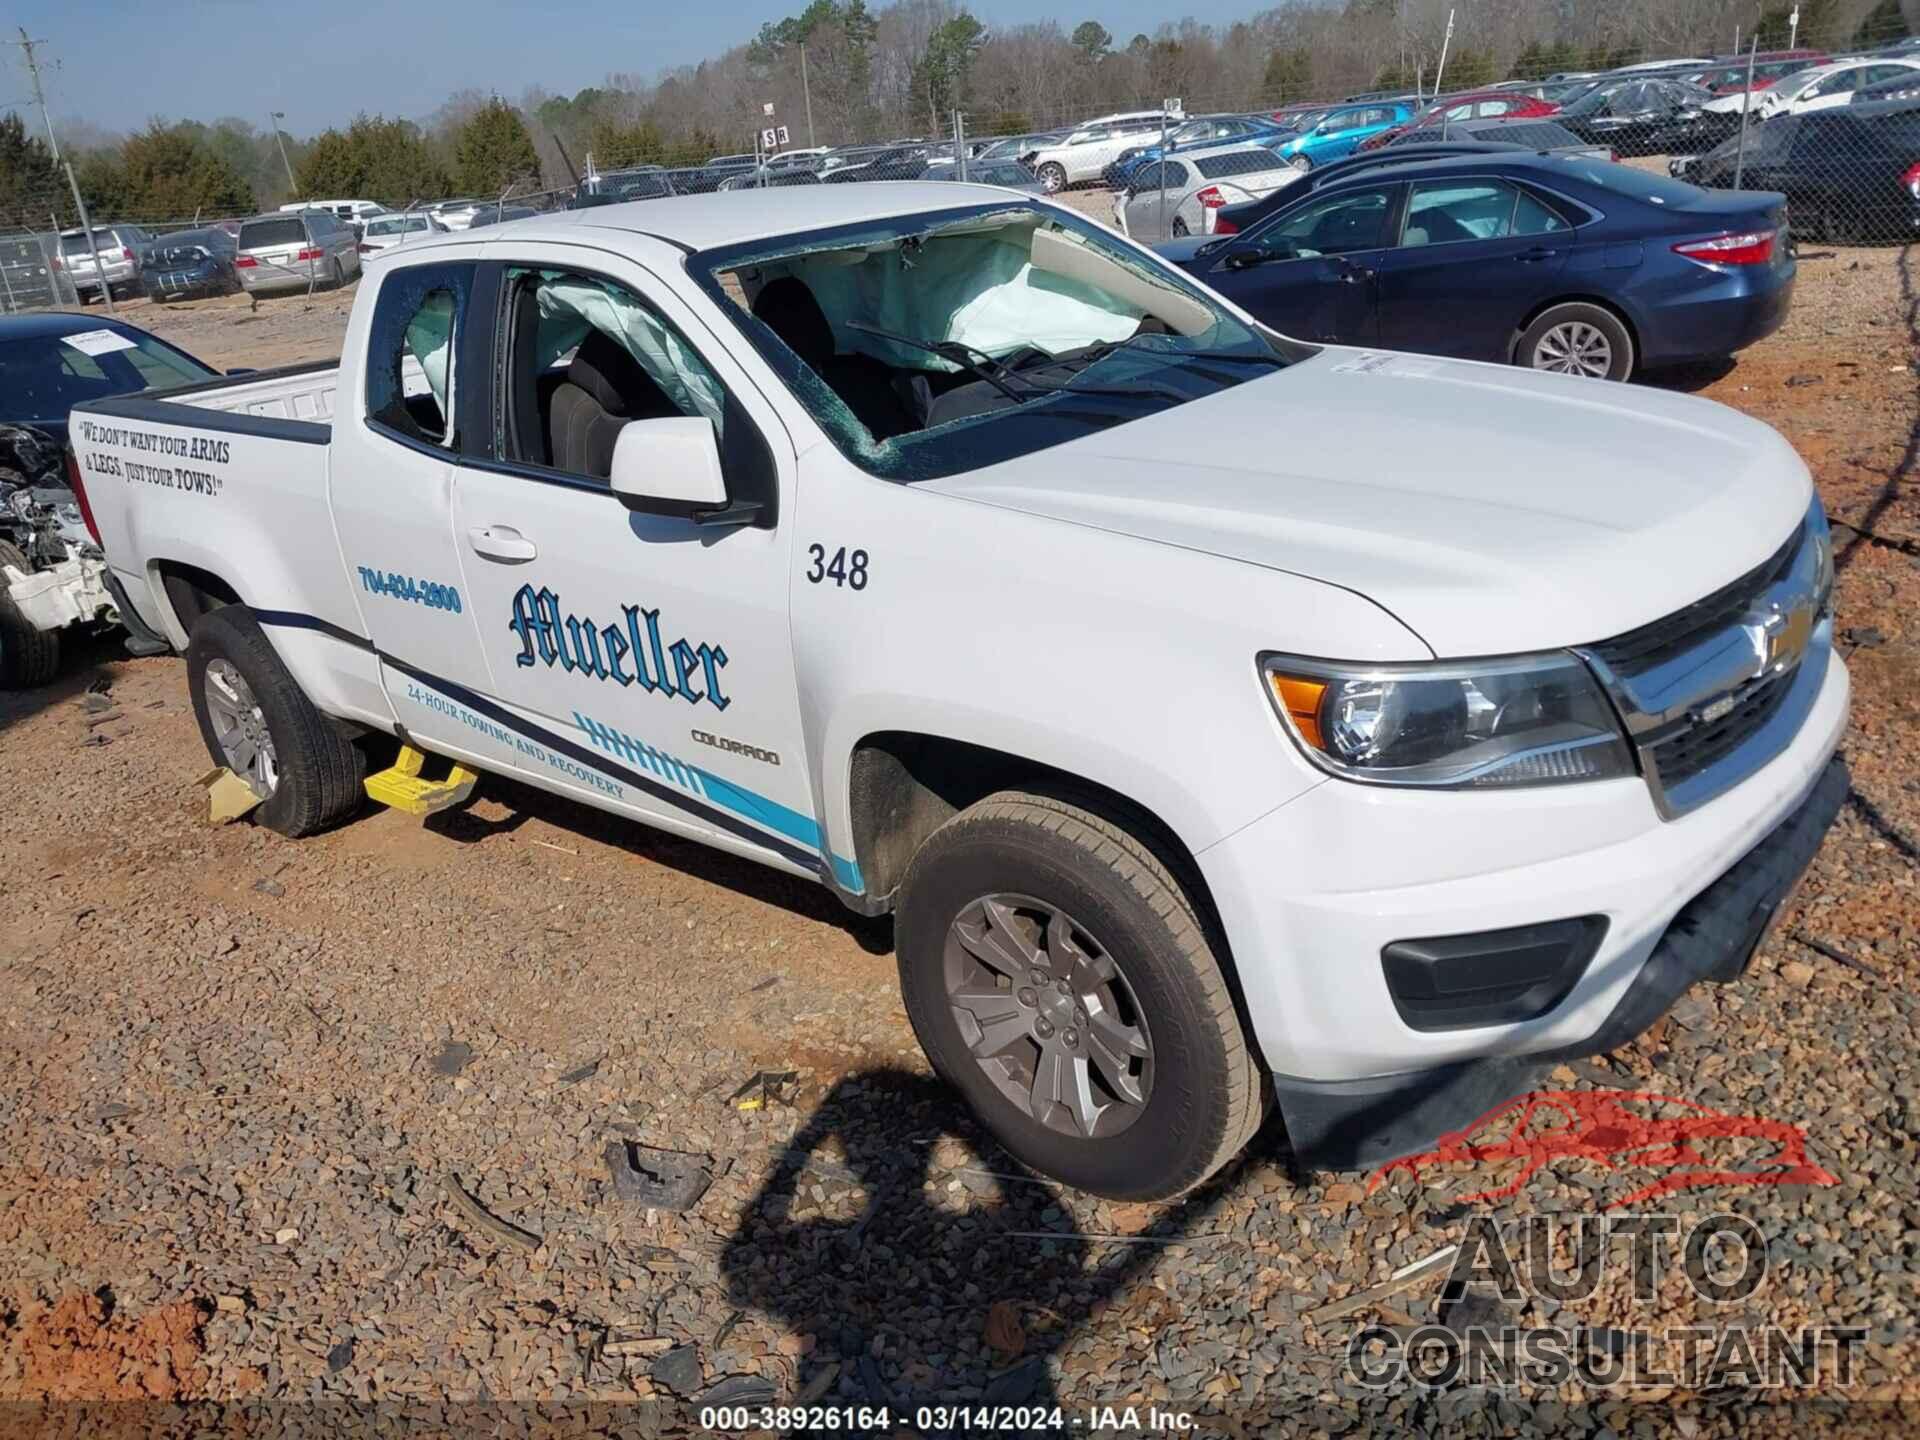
(1311, 894)
(1361, 1124)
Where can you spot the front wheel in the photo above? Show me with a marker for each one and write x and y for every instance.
(1577, 339)
(258, 723)
(29, 656)
(1053, 178)
(1058, 977)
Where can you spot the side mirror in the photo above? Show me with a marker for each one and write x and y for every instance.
(1256, 252)
(671, 467)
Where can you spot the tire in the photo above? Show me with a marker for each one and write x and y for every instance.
(338, 280)
(317, 772)
(1576, 338)
(1179, 228)
(28, 657)
(1199, 1095)
(1052, 178)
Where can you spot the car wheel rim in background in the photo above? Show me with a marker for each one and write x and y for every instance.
(1047, 1015)
(240, 728)
(1575, 348)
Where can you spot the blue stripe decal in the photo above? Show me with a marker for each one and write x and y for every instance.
(736, 799)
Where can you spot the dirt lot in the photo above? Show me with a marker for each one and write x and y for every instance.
(325, 1121)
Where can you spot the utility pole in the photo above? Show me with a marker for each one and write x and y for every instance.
(806, 90)
(1441, 68)
(26, 44)
(39, 95)
(274, 117)
(1793, 29)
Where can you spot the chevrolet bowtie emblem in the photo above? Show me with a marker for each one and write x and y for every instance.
(1779, 638)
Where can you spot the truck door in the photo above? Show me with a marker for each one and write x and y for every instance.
(646, 659)
(394, 448)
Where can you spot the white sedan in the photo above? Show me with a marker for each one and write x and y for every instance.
(385, 232)
(1181, 194)
(1826, 87)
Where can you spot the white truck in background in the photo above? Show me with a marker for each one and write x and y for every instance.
(1228, 721)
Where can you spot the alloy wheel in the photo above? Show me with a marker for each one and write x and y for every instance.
(1048, 1016)
(241, 729)
(1575, 348)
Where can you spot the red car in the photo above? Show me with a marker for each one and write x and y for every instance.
(1478, 105)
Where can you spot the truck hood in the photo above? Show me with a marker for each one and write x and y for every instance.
(1490, 509)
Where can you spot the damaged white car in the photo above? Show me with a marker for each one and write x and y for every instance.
(53, 577)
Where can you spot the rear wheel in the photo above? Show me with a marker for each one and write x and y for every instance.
(1577, 339)
(1053, 178)
(1179, 228)
(339, 277)
(28, 656)
(258, 723)
(1059, 978)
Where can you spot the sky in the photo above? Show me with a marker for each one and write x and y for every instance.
(116, 64)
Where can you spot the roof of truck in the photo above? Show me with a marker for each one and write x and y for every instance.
(702, 222)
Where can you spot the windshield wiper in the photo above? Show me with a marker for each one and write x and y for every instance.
(997, 375)
(953, 351)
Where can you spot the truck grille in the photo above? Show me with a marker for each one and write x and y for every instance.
(1699, 747)
(1671, 634)
(1713, 691)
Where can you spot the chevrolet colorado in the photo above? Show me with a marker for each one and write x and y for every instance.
(1229, 722)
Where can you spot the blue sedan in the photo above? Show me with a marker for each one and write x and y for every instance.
(1550, 261)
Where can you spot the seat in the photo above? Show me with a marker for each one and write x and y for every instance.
(788, 308)
(604, 389)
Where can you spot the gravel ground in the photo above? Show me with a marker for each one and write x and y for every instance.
(327, 1122)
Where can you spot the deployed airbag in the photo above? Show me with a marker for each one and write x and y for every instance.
(570, 308)
(981, 290)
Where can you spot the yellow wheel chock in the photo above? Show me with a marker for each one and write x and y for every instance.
(402, 787)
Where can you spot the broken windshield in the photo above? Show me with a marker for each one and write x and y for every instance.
(936, 343)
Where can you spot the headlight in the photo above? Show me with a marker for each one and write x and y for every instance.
(1821, 538)
(1494, 724)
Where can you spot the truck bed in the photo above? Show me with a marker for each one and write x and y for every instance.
(295, 392)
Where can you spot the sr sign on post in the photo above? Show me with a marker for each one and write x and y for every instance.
(773, 137)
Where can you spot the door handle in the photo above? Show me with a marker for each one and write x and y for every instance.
(1537, 253)
(1353, 274)
(501, 542)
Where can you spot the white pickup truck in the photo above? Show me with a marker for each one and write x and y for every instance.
(1228, 721)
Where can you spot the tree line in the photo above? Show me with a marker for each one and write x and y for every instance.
(838, 71)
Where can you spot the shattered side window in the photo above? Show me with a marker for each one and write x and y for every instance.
(411, 348)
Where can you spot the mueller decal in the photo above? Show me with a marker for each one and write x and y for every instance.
(631, 652)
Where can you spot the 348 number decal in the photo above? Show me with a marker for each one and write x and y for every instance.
(847, 567)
